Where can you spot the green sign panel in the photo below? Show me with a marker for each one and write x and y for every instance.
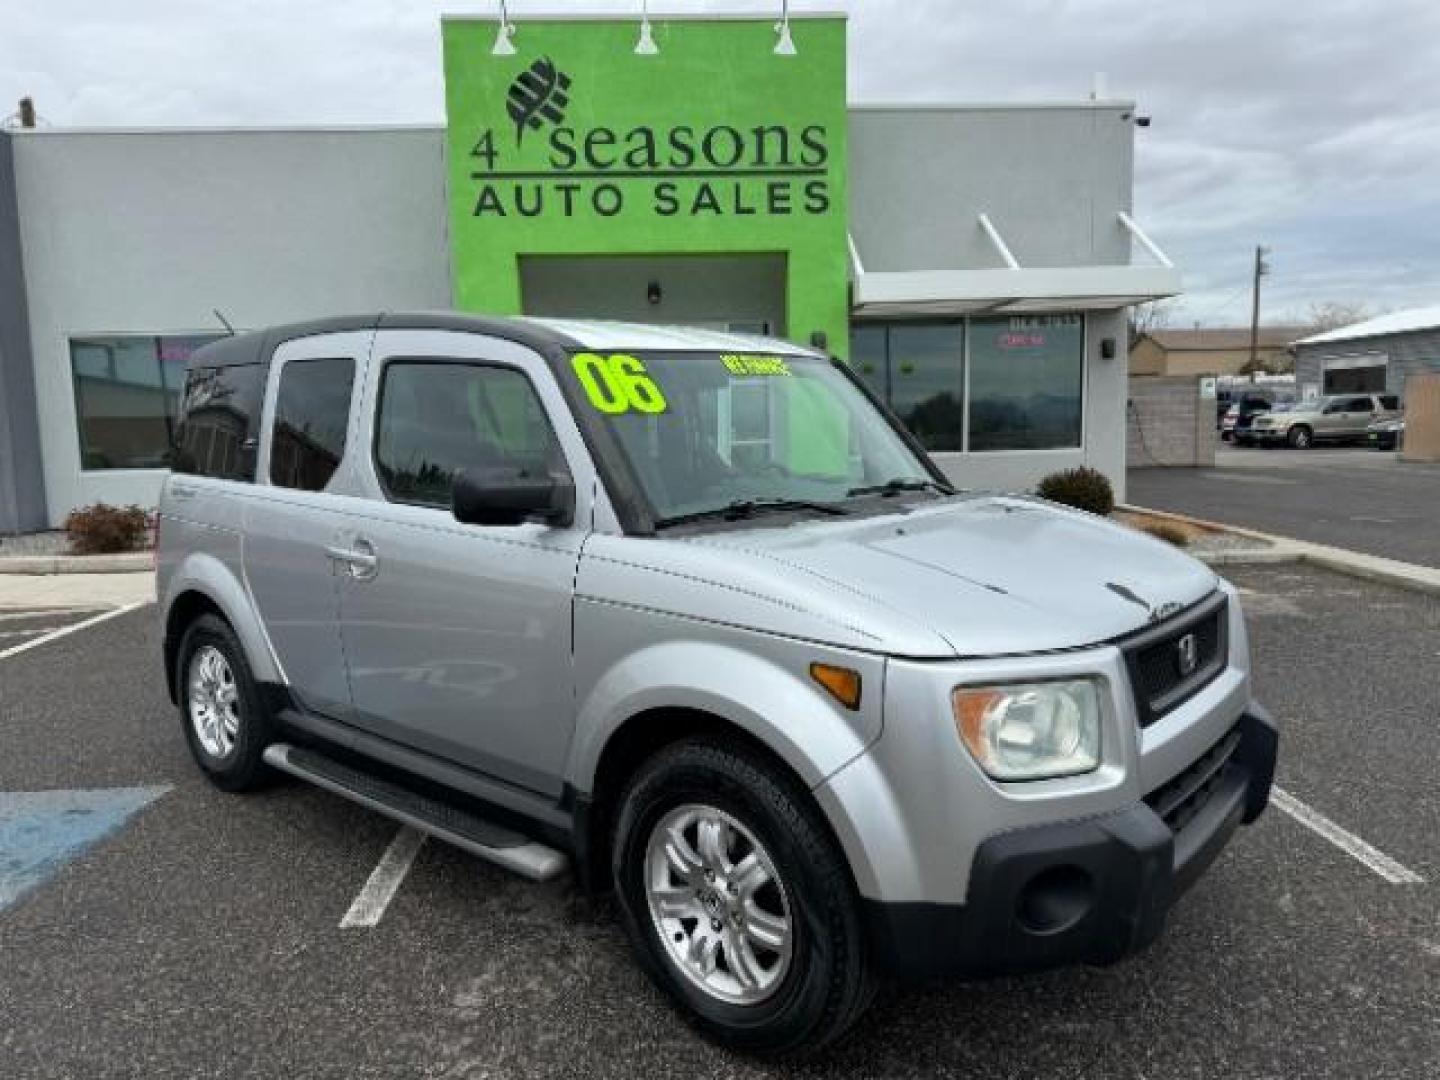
(576, 145)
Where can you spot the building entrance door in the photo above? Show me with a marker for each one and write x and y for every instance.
(744, 293)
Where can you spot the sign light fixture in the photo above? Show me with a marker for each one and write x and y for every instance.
(503, 45)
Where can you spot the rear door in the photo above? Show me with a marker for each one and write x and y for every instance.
(1359, 412)
(296, 513)
(458, 637)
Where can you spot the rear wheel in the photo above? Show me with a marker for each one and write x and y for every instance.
(221, 711)
(1300, 437)
(738, 901)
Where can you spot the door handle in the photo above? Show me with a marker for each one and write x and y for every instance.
(362, 564)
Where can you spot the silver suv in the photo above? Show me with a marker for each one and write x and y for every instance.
(1338, 418)
(692, 614)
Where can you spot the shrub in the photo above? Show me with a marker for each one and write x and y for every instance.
(103, 529)
(1082, 488)
(1164, 530)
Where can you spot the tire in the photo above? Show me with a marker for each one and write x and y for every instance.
(229, 753)
(1300, 437)
(820, 981)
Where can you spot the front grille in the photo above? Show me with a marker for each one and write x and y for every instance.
(1178, 801)
(1160, 677)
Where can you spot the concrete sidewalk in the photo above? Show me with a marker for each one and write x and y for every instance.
(1282, 549)
(38, 591)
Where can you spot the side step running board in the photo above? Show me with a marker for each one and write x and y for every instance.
(499, 845)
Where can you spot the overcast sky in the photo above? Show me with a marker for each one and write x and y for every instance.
(1312, 126)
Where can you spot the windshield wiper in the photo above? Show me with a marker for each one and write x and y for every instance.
(899, 484)
(748, 508)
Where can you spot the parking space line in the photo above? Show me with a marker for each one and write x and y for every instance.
(35, 613)
(1348, 842)
(385, 880)
(15, 650)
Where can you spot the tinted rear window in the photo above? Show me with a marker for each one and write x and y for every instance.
(312, 411)
(219, 415)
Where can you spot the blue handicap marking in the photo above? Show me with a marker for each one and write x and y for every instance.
(40, 831)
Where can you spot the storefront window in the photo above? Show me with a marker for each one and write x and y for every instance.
(927, 382)
(127, 396)
(919, 369)
(1024, 379)
(1025, 374)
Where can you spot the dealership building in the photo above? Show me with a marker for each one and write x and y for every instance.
(973, 263)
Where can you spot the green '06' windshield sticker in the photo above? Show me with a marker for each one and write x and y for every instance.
(754, 365)
(617, 384)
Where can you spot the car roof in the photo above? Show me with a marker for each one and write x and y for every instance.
(543, 335)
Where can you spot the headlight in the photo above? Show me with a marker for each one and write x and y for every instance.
(1031, 731)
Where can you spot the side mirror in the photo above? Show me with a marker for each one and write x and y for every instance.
(511, 497)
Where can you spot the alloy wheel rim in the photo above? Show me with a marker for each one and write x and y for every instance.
(718, 904)
(214, 701)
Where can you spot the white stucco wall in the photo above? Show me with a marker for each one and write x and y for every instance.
(1052, 179)
(147, 232)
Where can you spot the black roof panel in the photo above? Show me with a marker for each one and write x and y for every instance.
(258, 346)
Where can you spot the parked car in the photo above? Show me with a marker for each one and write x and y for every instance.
(692, 614)
(1338, 418)
(1386, 434)
(1241, 416)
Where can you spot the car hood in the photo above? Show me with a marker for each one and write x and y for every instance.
(989, 574)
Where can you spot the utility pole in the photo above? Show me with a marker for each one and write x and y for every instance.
(1261, 269)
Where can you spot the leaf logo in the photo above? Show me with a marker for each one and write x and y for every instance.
(540, 93)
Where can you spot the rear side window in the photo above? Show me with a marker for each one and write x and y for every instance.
(1389, 401)
(1360, 404)
(437, 418)
(219, 418)
(312, 413)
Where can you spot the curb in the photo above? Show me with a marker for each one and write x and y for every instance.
(129, 563)
(1421, 579)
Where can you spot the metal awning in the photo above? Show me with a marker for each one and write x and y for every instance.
(1012, 288)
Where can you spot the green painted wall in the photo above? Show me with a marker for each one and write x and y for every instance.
(714, 145)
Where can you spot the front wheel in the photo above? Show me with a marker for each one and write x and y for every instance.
(738, 901)
(1300, 437)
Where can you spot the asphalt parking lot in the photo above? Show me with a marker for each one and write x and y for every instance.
(1354, 498)
(199, 934)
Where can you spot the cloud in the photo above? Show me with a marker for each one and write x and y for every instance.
(1310, 127)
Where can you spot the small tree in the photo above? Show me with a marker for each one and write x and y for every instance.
(1148, 317)
(1333, 314)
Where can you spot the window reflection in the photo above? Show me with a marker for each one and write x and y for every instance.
(1024, 379)
(1025, 376)
(127, 397)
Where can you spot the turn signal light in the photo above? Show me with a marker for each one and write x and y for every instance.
(843, 684)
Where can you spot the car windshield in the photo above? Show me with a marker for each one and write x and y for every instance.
(709, 433)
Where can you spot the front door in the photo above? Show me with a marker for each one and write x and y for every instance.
(458, 637)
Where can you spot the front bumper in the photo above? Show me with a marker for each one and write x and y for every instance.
(1088, 891)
